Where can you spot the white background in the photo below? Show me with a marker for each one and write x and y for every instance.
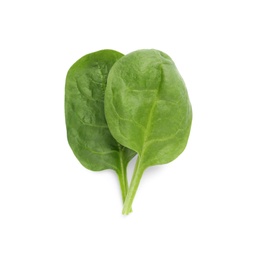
(204, 205)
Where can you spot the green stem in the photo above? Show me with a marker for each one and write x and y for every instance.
(123, 182)
(138, 173)
(122, 175)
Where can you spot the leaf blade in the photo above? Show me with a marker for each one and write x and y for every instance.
(148, 110)
(87, 132)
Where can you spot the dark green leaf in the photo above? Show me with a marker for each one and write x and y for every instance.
(87, 130)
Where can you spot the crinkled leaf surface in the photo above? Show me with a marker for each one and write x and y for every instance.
(148, 109)
(87, 130)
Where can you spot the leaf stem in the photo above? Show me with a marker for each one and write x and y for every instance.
(123, 182)
(138, 172)
(122, 175)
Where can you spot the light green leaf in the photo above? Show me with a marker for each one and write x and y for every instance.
(148, 110)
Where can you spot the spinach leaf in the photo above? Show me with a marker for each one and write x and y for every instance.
(148, 110)
(87, 131)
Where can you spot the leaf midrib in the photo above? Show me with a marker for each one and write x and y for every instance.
(149, 121)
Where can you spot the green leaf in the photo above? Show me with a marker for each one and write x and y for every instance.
(148, 110)
(87, 131)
